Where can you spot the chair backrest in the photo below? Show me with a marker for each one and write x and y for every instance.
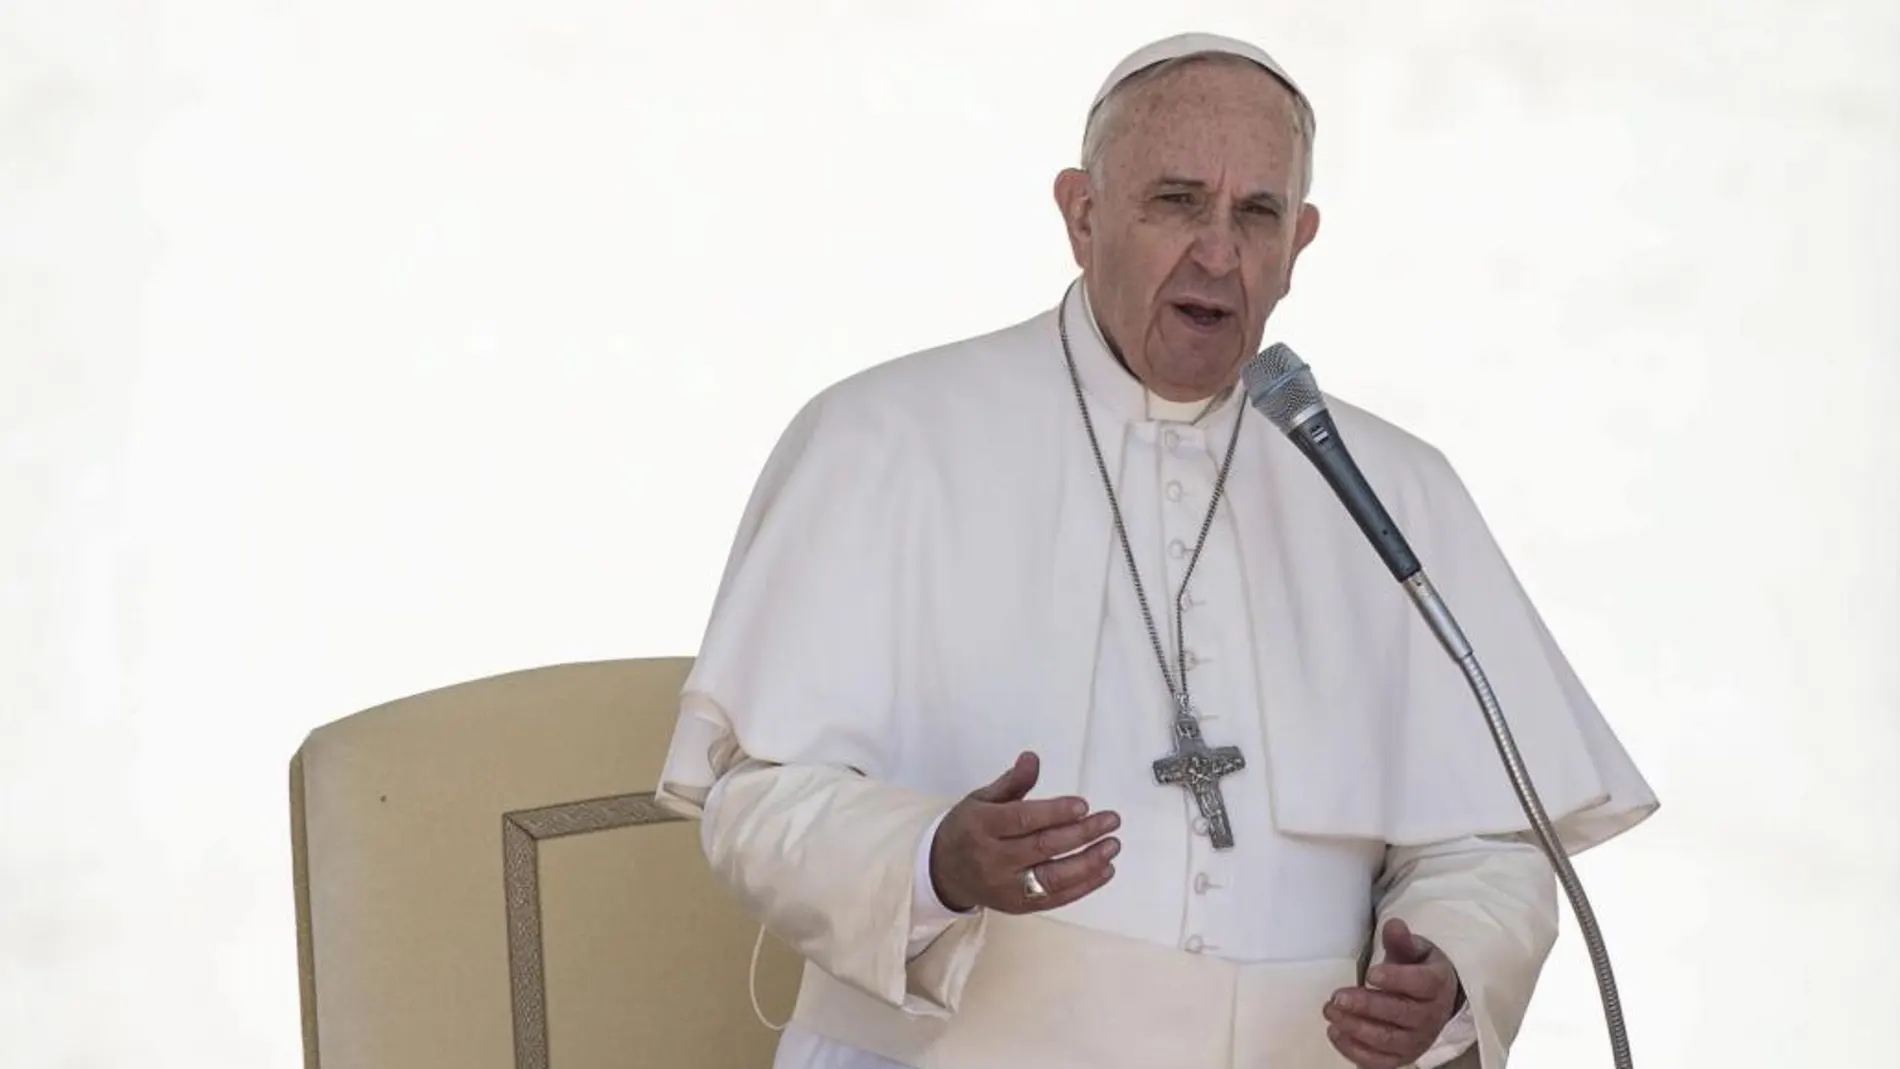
(483, 881)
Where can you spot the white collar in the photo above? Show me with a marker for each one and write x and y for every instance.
(1105, 379)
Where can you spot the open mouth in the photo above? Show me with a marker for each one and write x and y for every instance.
(1201, 314)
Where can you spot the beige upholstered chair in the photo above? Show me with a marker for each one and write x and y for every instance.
(484, 882)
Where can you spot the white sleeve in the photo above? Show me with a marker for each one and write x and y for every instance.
(929, 917)
(826, 860)
(1490, 903)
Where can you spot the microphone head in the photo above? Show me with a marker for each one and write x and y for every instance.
(1282, 387)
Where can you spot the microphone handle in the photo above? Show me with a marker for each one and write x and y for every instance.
(1316, 437)
(1451, 636)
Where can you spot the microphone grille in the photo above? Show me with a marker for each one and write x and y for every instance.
(1282, 387)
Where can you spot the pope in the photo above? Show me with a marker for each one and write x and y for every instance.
(1054, 711)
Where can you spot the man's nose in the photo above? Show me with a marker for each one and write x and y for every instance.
(1216, 248)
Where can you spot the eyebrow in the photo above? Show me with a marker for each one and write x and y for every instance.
(1264, 197)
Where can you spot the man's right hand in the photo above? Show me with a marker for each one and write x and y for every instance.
(989, 839)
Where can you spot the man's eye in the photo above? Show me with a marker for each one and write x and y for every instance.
(1178, 198)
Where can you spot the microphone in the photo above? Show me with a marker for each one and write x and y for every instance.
(1282, 387)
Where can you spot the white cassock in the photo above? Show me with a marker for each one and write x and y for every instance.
(927, 582)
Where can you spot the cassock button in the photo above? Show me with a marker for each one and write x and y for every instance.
(1194, 945)
(1200, 825)
(1171, 438)
(1177, 549)
(1188, 658)
(1174, 491)
(1202, 883)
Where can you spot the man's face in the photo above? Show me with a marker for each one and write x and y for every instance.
(1187, 234)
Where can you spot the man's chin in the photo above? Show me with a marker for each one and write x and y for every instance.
(1210, 362)
(1185, 383)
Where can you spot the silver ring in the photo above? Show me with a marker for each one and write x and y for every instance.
(1032, 886)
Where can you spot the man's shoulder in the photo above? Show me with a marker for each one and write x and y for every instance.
(948, 400)
(1378, 442)
(943, 379)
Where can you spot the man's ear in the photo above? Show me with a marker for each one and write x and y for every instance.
(1305, 229)
(1076, 200)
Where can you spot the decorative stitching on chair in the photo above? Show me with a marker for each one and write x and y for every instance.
(521, 835)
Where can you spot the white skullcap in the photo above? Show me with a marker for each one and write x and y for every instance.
(1192, 44)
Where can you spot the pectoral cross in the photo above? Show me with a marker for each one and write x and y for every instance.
(1197, 768)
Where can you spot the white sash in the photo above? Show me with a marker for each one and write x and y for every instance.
(1050, 995)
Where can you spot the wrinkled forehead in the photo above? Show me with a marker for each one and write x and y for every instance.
(1144, 63)
(1223, 125)
(1214, 88)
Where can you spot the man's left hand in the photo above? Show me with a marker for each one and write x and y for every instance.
(1406, 1002)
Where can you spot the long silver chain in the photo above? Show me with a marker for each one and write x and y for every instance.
(1183, 709)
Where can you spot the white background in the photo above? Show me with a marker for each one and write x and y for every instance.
(357, 348)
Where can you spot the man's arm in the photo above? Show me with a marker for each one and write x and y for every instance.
(1490, 904)
(828, 861)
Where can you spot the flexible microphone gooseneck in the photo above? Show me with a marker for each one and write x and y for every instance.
(1282, 387)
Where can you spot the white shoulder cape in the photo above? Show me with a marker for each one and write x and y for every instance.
(916, 587)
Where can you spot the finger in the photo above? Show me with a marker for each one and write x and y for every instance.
(1076, 875)
(1384, 1039)
(1382, 1008)
(1010, 785)
(1361, 1055)
(1022, 903)
(1403, 947)
(1425, 983)
(1013, 784)
(1058, 840)
(1014, 820)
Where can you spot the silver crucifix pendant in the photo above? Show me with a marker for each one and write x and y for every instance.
(1197, 768)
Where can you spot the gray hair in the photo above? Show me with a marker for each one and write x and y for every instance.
(1105, 120)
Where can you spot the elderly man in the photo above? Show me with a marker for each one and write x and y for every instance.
(982, 594)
